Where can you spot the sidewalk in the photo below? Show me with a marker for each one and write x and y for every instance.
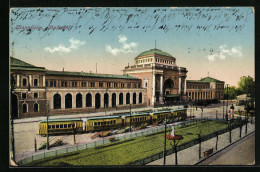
(240, 153)
(190, 156)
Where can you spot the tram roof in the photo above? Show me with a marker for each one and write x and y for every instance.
(61, 120)
(102, 117)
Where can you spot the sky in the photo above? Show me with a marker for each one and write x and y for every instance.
(215, 41)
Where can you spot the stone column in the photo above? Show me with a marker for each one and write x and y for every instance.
(43, 80)
(51, 101)
(83, 100)
(153, 87)
(18, 81)
(93, 99)
(117, 99)
(184, 86)
(102, 100)
(131, 98)
(73, 100)
(179, 85)
(161, 89)
(62, 101)
(110, 101)
(30, 80)
(124, 98)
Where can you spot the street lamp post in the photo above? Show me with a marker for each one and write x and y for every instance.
(199, 139)
(223, 108)
(130, 118)
(227, 103)
(164, 153)
(47, 114)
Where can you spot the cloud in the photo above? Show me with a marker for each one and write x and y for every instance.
(224, 53)
(125, 48)
(74, 44)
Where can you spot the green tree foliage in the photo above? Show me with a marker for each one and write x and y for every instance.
(232, 92)
(246, 85)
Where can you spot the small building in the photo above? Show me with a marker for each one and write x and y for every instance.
(205, 89)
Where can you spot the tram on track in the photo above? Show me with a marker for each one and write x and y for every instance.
(115, 121)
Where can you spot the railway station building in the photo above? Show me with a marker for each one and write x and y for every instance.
(153, 79)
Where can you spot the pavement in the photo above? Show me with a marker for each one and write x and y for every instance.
(190, 156)
(241, 152)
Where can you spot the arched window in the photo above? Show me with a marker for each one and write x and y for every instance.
(128, 98)
(88, 100)
(35, 82)
(24, 82)
(113, 99)
(140, 98)
(25, 109)
(56, 101)
(97, 101)
(79, 100)
(134, 98)
(36, 107)
(121, 99)
(68, 101)
(106, 100)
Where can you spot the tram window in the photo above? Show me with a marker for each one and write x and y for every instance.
(61, 126)
(65, 125)
(114, 121)
(98, 123)
(73, 125)
(111, 122)
(52, 126)
(69, 125)
(49, 127)
(57, 126)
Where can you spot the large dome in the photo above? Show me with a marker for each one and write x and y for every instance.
(154, 51)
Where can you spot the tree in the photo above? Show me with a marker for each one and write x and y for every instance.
(232, 92)
(246, 85)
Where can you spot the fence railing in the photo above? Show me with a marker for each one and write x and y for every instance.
(74, 148)
(185, 145)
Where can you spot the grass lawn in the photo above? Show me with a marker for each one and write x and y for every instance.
(126, 151)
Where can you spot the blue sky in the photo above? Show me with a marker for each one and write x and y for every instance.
(227, 53)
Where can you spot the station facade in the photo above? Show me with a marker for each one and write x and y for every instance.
(153, 79)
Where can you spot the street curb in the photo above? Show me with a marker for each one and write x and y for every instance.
(224, 148)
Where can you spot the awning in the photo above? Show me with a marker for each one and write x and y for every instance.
(172, 95)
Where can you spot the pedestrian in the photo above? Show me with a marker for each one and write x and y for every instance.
(196, 107)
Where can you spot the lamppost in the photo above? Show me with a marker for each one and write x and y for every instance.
(164, 153)
(223, 108)
(130, 118)
(227, 103)
(11, 114)
(47, 114)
